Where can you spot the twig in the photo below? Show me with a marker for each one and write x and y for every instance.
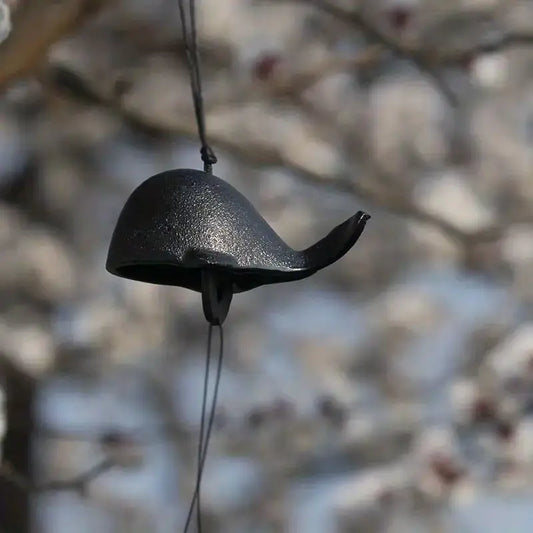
(488, 46)
(138, 435)
(78, 483)
(290, 84)
(376, 35)
(427, 61)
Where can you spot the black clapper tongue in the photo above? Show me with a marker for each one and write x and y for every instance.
(217, 292)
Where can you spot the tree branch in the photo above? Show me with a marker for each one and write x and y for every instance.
(37, 24)
(488, 46)
(289, 85)
(426, 61)
(78, 483)
(376, 35)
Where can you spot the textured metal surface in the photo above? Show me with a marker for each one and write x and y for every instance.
(182, 221)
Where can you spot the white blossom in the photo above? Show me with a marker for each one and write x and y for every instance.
(5, 21)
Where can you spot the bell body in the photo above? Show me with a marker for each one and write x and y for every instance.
(181, 223)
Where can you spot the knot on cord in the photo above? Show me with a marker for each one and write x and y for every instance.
(208, 157)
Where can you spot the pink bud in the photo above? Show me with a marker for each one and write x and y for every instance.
(265, 65)
(399, 17)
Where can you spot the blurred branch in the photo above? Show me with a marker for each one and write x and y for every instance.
(78, 483)
(121, 449)
(36, 25)
(19, 389)
(366, 188)
(376, 35)
(140, 436)
(291, 84)
(426, 61)
(488, 46)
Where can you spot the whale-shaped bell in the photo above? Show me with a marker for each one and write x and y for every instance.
(191, 229)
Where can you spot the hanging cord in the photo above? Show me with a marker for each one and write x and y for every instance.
(190, 39)
(205, 431)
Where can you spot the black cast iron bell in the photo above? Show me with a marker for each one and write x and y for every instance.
(191, 229)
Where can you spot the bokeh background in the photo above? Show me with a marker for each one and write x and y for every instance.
(392, 392)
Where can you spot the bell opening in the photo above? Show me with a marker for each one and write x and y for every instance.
(163, 274)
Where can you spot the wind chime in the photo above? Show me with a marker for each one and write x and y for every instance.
(189, 228)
